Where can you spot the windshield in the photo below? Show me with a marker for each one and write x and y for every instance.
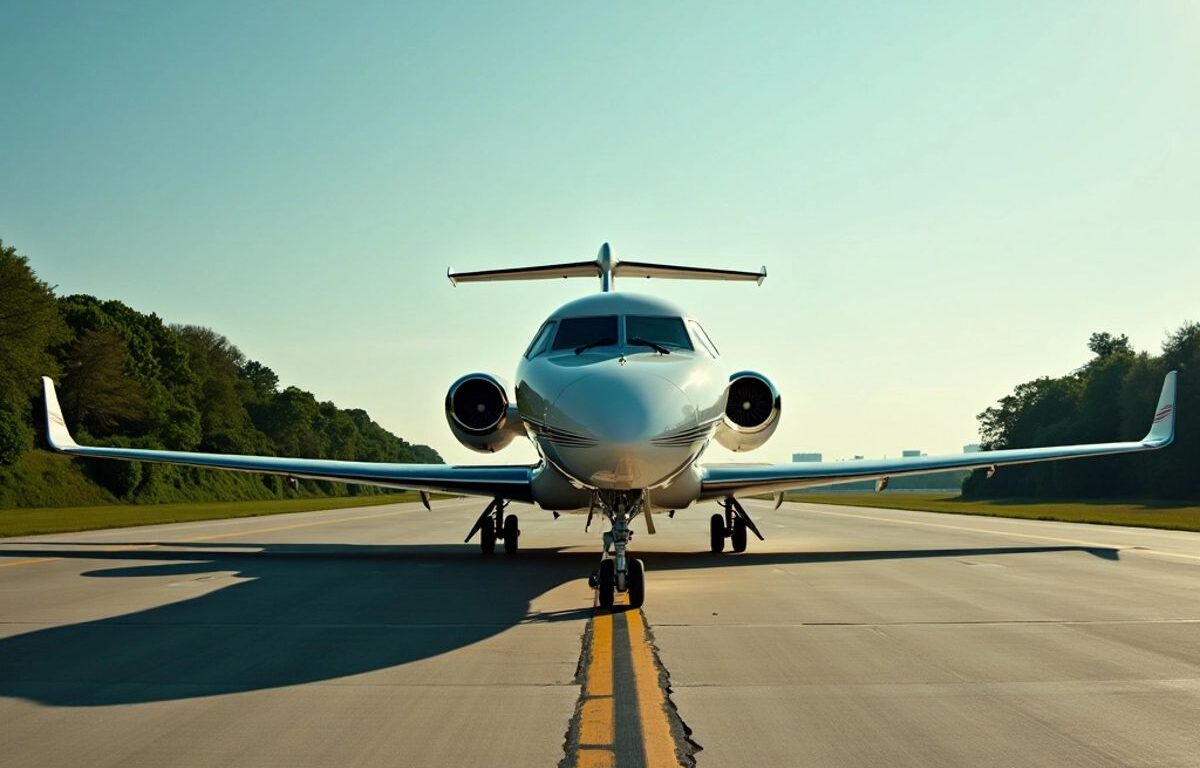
(576, 332)
(539, 340)
(665, 331)
(706, 342)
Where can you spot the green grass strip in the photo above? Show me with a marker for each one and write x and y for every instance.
(34, 520)
(1176, 516)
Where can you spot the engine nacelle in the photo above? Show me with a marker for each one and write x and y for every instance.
(480, 415)
(752, 406)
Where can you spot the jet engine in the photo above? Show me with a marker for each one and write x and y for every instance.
(752, 406)
(480, 415)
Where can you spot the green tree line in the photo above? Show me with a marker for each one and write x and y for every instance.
(1112, 397)
(128, 378)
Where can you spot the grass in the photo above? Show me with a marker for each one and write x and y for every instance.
(34, 520)
(1177, 516)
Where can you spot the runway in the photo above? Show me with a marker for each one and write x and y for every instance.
(373, 636)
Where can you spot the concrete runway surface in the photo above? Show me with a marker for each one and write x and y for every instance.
(373, 636)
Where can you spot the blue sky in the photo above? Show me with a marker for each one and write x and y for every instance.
(948, 197)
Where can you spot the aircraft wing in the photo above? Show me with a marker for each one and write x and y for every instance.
(507, 482)
(728, 480)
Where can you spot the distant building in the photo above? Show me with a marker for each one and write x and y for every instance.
(910, 454)
(858, 458)
(806, 457)
(972, 448)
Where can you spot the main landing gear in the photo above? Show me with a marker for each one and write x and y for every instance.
(732, 525)
(620, 573)
(492, 525)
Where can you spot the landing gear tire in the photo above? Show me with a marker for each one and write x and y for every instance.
(716, 533)
(512, 535)
(737, 536)
(635, 583)
(608, 583)
(487, 537)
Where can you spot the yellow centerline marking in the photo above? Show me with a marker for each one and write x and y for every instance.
(657, 741)
(600, 669)
(595, 758)
(1013, 534)
(596, 723)
(598, 717)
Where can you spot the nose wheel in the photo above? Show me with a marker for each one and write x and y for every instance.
(635, 583)
(619, 573)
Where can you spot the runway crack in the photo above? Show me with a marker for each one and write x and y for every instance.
(688, 746)
(609, 723)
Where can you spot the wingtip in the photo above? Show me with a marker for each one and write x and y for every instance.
(1162, 428)
(450, 276)
(57, 433)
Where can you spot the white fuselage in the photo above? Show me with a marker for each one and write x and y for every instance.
(620, 416)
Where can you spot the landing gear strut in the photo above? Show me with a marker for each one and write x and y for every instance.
(492, 525)
(732, 525)
(618, 572)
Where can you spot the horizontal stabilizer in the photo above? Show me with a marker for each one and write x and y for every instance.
(607, 267)
(672, 272)
(547, 272)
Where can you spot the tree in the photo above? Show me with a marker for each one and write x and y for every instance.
(29, 324)
(1104, 344)
(15, 436)
(97, 394)
(263, 381)
(217, 365)
(1111, 398)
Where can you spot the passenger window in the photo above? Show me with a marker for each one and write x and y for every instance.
(576, 332)
(539, 340)
(665, 331)
(702, 337)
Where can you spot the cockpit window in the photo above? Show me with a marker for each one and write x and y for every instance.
(702, 337)
(576, 332)
(539, 341)
(665, 331)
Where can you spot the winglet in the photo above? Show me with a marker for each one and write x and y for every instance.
(1162, 429)
(56, 427)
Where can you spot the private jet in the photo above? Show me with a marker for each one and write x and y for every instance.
(620, 394)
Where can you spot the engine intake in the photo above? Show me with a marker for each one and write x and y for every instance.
(752, 408)
(479, 413)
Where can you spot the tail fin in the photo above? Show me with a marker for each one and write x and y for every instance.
(606, 267)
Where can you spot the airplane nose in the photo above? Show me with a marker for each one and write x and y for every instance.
(623, 409)
(620, 414)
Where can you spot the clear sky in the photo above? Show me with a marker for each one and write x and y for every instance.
(949, 197)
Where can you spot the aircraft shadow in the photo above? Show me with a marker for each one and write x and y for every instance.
(310, 612)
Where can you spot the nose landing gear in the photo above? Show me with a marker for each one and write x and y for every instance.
(619, 573)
